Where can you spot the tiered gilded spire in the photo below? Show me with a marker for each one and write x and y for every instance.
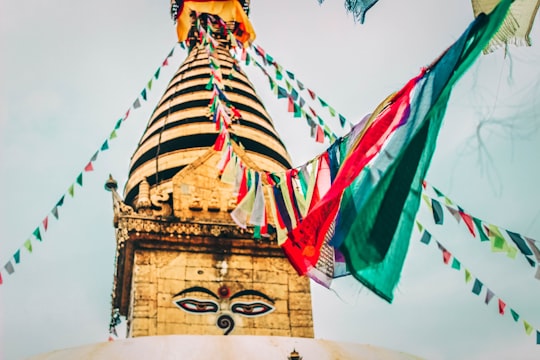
(182, 127)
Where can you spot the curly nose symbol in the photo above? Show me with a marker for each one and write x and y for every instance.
(226, 323)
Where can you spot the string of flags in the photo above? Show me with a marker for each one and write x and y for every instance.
(361, 196)
(478, 285)
(500, 239)
(269, 60)
(40, 230)
(292, 92)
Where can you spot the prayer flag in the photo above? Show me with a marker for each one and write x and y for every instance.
(468, 276)
(9, 267)
(37, 234)
(17, 256)
(426, 237)
(515, 315)
(80, 179)
(28, 245)
(437, 212)
(477, 287)
(502, 306)
(61, 201)
(517, 25)
(71, 190)
(528, 327)
(489, 296)
(468, 221)
(373, 230)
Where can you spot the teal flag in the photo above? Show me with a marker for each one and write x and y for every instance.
(375, 219)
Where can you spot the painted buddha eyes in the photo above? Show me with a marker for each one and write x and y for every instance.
(197, 306)
(240, 308)
(251, 309)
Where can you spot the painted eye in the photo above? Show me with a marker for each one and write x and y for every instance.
(251, 309)
(197, 306)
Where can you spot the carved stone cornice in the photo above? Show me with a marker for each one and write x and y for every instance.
(129, 224)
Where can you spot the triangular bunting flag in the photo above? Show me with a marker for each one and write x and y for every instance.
(61, 201)
(94, 157)
(89, 167)
(468, 221)
(136, 104)
(528, 327)
(300, 85)
(489, 296)
(477, 287)
(438, 215)
(480, 228)
(323, 103)
(54, 211)
(17, 256)
(156, 75)
(119, 123)
(468, 276)
(332, 111)
(290, 75)
(105, 146)
(9, 267)
(37, 234)
(45, 223)
(342, 120)
(165, 62)
(143, 94)
(515, 315)
(149, 85)
(71, 190)
(80, 179)
(282, 93)
(456, 264)
(319, 137)
(502, 306)
(426, 237)
(312, 94)
(454, 212)
(1, 280)
(291, 104)
(28, 245)
(171, 53)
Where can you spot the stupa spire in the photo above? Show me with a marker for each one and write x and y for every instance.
(184, 266)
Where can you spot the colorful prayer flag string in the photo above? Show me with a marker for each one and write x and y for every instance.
(319, 128)
(478, 285)
(498, 237)
(43, 226)
(267, 59)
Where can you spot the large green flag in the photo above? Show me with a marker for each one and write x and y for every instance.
(377, 211)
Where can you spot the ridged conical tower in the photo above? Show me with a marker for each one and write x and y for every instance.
(183, 265)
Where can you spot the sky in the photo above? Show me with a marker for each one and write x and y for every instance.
(70, 70)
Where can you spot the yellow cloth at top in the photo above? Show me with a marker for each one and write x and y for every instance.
(517, 25)
(227, 10)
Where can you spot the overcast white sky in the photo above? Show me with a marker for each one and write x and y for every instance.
(71, 69)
